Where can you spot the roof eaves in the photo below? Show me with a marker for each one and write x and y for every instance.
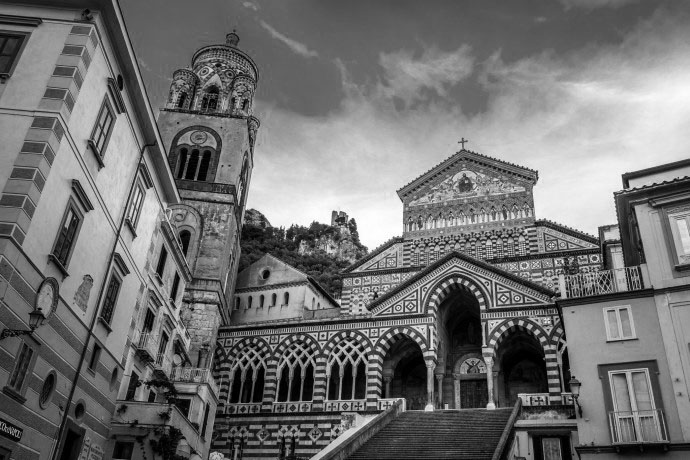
(374, 253)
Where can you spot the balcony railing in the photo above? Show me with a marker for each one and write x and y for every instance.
(194, 375)
(634, 427)
(146, 344)
(601, 282)
(163, 364)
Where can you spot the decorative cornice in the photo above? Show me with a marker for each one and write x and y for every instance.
(121, 265)
(11, 19)
(567, 230)
(81, 195)
(415, 268)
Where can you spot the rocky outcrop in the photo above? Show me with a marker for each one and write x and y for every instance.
(339, 244)
(255, 218)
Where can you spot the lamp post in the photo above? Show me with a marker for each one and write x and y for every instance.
(575, 385)
(36, 320)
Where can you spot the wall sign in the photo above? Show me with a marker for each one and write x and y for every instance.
(10, 431)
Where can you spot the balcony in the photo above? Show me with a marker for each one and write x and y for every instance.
(541, 406)
(638, 427)
(602, 282)
(162, 365)
(146, 344)
(194, 375)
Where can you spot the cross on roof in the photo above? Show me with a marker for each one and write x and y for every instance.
(463, 141)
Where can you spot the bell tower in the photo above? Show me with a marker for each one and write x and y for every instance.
(209, 131)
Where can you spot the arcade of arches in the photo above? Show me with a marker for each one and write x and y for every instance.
(463, 369)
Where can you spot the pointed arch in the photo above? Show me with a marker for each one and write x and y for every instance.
(443, 288)
(504, 329)
(394, 334)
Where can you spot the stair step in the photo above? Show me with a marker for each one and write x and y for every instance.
(458, 434)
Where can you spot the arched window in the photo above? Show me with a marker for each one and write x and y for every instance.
(245, 105)
(203, 167)
(249, 302)
(286, 298)
(237, 303)
(296, 373)
(210, 100)
(185, 237)
(346, 371)
(192, 165)
(233, 103)
(181, 100)
(274, 299)
(181, 163)
(261, 301)
(504, 211)
(522, 246)
(499, 247)
(510, 247)
(313, 302)
(247, 377)
(489, 249)
(318, 306)
(527, 209)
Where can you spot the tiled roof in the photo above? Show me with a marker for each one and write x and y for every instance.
(455, 157)
(651, 186)
(569, 230)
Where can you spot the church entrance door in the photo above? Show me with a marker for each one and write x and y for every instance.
(473, 394)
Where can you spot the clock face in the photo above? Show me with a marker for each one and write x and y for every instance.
(46, 297)
(199, 137)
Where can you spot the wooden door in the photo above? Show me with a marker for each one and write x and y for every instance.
(473, 394)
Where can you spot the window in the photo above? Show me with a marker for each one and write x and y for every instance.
(95, 357)
(286, 298)
(237, 303)
(247, 377)
(249, 302)
(67, 236)
(149, 320)
(635, 418)
(132, 386)
(346, 371)
(210, 100)
(123, 450)
(110, 298)
(10, 45)
(47, 390)
(204, 425)
(102, 131)
(261, 301)
(184, 405)
(135, 206)
(21, 368)
(680, 229)
(274, 299)
(619, 323)
(162, 258)
(296, 373)
(552, 447)
(162, 347)
(204, 165)
(175, 287)
(182, 99)
(185, 237)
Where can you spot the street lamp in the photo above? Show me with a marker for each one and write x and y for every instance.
(575, 385)
(36, 320)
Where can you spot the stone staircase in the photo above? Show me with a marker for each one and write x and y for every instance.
(468, 434)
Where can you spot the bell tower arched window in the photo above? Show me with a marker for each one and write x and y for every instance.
(181, 100)
(192, 165)
(185, 237)
(209, 102)
(195, 153)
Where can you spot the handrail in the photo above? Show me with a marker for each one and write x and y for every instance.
(364, 433)
(503, 441)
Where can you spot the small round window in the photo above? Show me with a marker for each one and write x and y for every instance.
(265, 273)
(79, 410)
(48, 390)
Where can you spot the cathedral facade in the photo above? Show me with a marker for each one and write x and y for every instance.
(459, 312)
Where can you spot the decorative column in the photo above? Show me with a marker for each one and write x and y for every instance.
(439, 380)
(387, 379)
(320, 383)
(456, 387)
(270, 386)
(430, 366)
(553, 376)
(490, 381)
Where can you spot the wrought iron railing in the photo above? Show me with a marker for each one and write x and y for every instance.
(601, 282)
(633, 427)
(194, 375)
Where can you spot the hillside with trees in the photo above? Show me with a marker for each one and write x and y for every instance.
(321, 251)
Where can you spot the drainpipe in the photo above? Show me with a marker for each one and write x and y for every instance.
(94, 317)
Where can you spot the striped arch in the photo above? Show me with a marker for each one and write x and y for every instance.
(507, 327)
(261, 345)
(454, 282)
(392, 335)
(306, 338)
(557, 336)
(358, 336)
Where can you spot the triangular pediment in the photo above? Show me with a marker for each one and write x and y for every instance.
(467, 175)
(269, 270)
(499, 288)
(388, 256)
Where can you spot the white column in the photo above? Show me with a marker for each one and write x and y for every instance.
(490, 381)
(439, 380)
(430, 366)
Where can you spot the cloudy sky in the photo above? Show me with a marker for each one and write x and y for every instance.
(357, 98)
